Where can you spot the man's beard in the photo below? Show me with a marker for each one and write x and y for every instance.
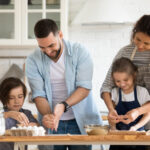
(57, 53)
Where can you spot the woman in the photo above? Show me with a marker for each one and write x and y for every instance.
(139, 52)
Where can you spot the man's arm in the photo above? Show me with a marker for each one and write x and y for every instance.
(78, 95)
(44, 109)
(52, 120)
(42, 105)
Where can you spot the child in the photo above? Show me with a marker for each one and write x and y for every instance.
(12, 95)
(127, 97)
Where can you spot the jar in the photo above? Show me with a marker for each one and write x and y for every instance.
(2, 122)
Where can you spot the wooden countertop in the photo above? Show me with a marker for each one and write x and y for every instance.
(80, 139)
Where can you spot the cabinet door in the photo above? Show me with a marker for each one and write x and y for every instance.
(34, 10)
(9, 22)
(53, 11)
(58, 11)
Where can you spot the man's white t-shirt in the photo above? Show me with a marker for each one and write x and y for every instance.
(58, 85)
(142, 95)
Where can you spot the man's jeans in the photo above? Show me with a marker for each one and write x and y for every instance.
(71, 127)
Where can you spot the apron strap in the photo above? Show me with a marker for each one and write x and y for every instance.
(133, 53)
(120, 95)
(135, 94)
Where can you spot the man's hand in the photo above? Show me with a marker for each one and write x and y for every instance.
(52, 120)
(130, 116)
(48, 121)
(58, 112)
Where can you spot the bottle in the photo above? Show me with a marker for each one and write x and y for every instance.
(2, 122)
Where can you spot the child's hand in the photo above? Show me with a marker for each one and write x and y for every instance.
(33, 124)
(113, 117)
(130, 116)
(19, 116)
(30, 124)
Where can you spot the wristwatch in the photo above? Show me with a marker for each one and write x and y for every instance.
(66, 106)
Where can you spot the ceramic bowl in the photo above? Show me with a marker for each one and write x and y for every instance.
(96, 129)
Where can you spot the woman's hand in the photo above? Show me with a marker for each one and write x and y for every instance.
(133, 128)
(19, 116)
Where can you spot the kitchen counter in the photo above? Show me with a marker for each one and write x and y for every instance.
(20, 141)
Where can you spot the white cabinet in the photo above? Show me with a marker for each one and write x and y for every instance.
(18, 17)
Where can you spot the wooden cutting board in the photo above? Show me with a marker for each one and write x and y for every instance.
(123, 132)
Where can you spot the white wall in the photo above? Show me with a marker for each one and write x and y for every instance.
(103, 42)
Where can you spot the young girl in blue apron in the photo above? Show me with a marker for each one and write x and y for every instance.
(127, 96)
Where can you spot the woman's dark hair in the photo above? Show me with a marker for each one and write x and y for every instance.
(125, 65)
(45, 26)
(7, 85)
(142, 25)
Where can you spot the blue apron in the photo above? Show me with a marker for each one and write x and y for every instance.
(123, 107)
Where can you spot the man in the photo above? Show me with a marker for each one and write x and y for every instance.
(60, 75)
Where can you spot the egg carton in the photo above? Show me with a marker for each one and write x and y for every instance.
(27, 131)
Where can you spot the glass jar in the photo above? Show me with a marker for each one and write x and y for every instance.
(2, 122)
